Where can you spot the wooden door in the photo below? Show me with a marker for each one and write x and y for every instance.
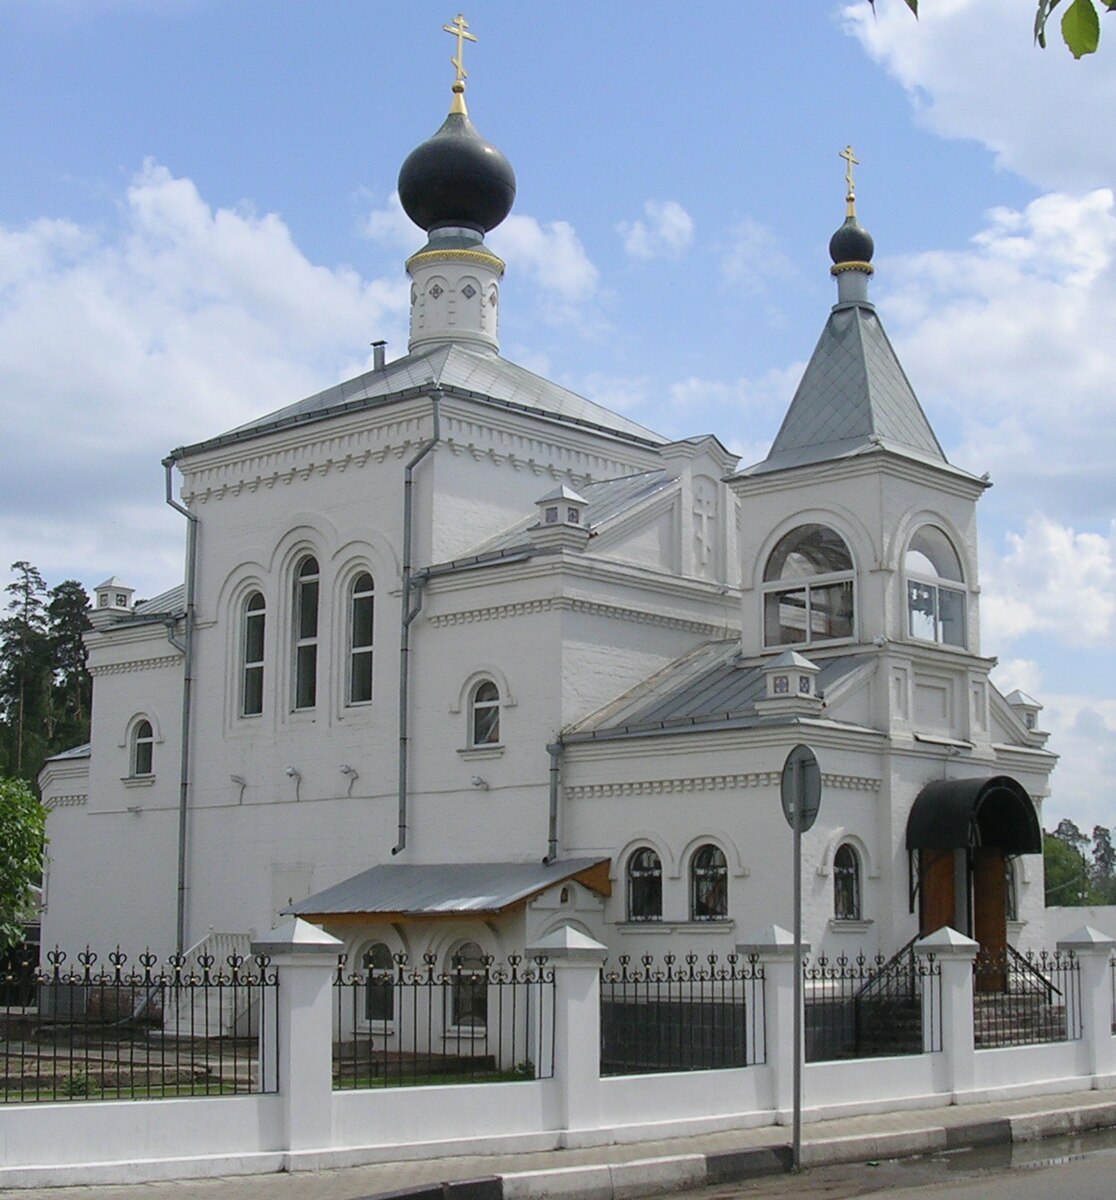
(990, 917)
(937, 891)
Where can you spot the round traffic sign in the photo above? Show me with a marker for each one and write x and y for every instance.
(800, 788)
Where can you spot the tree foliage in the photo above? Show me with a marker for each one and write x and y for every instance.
(22, 821)
(45, 688)
(1080, 23)
(1079, 870)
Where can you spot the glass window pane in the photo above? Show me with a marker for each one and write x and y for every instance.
(808, 550)
(253, 691)
(469, 998)
(846, 884)
(254, 638)
(645, 886)
(379, 995)
(308, 609)
(362, 621)
(486, 726)
(143, 758)
(831, 609)
(709, 885)
(951, 613)
(306, 672)
(920, 610)
(785, 618)
(360, 686)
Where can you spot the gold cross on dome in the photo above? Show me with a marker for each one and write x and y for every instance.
(459, 28)
(850, 161)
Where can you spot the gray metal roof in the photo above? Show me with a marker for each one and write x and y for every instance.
(854, 396)
(457, 370)
(73, 752)
(605, 500)
(438, 889)
(172, 600)
(706, 686)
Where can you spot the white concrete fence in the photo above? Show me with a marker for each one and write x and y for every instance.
(309, 1124)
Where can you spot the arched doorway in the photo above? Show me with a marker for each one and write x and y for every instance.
(960, 834)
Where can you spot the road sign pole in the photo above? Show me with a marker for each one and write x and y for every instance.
(796, 1135)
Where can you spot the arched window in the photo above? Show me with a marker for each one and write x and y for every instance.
(361, 608)
(808, 588)
(645, 886)
(484, 715)
(846, 884)
(469, 987)
(935, 595)
(307, 587)
(252, 655)
(143, 749)
(708, 885)
(379, 983)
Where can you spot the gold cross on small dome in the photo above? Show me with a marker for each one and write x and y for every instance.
(850, 161)
(459, 28)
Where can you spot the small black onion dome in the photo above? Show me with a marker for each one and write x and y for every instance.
(851, 243)
(456, 178)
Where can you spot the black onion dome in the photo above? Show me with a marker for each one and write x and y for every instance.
(851, 243)
(456, 178)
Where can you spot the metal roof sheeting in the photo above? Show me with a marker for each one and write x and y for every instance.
(433, 889)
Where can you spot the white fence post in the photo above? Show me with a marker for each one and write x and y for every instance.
(954, 954)
(306, 960)
(576, 960)
(774, 947)
(1093, 951)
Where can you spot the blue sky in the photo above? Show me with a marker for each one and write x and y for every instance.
(198, 225)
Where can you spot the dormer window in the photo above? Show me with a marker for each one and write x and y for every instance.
(808, 588)
(551, 517)
(935, 589)
(573, 516)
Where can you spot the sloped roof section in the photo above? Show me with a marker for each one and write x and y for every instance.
(854, 397)
(456, 369)
(706, 687)
(171, 601)
(445, 889)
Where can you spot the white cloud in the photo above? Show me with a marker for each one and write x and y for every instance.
(973, 71)
(1083, 733)
(117, 344)
(390, 226)
(551, 254)
(1052, 580)
(1022, 673)
(753, 257)
(667, 231)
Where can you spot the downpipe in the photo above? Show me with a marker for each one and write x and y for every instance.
(409, 610)
(187, 646)
(555, 752)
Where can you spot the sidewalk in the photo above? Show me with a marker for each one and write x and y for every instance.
(615, 1172)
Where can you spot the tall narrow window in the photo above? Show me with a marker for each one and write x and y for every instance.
(361, 608)
(645, 886)
(484, 715)
(846, 884)
(143, 749)
(379, 983)
(935, 592)
(252, 656)
(708, 885)
(808, 588)
(307, 587)
(469, 987)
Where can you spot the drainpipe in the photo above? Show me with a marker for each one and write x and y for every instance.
(408, 613)
(187, 645)
(555, 752)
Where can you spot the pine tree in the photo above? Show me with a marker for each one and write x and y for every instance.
(25, 673)
(68, 614)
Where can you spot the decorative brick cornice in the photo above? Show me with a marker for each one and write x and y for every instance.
(138, 664)
(525, 608)
(705, 783)
(65, 801)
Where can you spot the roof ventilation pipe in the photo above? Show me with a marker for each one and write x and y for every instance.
(408, 611)
(379, 355)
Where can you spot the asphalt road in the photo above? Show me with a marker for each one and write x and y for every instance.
(1081, 1168)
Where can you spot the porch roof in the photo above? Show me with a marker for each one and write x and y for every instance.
(951, 814)
(447, 889)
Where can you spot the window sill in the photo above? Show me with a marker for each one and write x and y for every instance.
(137, 781)
(465, 1033)
(373, 1029)
(845, 925)
(469, 753)
(724, 925)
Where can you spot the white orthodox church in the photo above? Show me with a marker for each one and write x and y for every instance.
(462, 656)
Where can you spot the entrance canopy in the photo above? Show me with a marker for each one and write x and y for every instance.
(952, 814)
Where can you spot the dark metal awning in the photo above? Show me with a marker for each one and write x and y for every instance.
(951, 814)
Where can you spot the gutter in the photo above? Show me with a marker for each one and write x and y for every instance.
(408, 612)
(187, 648)
(555, 752)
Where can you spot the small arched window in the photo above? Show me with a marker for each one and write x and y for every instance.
(484, 715)
(306, 593)
(645, 886)
(469, 987)
(808, 588)
(252, 655)
(708, 885)
(379, 983)
(143, 749)
(846, 884)
(935, 592)
(361, 609)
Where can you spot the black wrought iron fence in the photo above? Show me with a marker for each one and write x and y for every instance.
(112, 1029)
(694, 1015)
(871, 1007)
(479, 1021)
(1021, 999)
